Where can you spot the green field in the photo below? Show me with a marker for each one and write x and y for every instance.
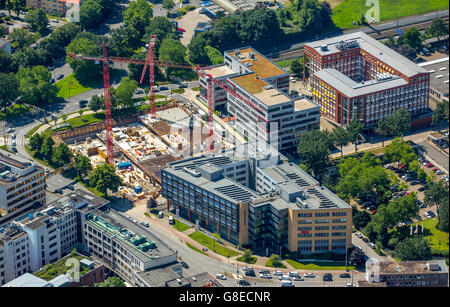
(180, 226)
(70, 86)
(209, 243)
(319, 265)
(350, 10)
(438, 239)
(196, 249)
(85, 119)
(252, 260)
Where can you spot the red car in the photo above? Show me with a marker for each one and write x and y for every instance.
(430, 165)
(373, 212)
(181, 30)
(435, 170)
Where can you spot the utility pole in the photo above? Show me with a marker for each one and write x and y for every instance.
(346, 252)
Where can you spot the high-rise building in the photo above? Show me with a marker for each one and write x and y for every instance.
(356, 77)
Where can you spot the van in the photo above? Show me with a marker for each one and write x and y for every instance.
(372, 245)
(160, 214)
(287, 283)
(171, 220)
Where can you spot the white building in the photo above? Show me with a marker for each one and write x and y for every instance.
(22, 185)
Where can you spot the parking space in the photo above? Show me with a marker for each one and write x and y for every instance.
(188, 23)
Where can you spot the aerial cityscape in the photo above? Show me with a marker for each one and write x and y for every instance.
(223, 144)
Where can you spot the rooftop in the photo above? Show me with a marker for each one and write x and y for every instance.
(220, 71)
(414, 267)
(159, 276)
(28, 280)
(303, 104)
(360, 40)
(350, 88)
(439, 74)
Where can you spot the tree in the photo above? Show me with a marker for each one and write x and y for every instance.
(47, 148)
(172, 51)
(82, 165)
(416, 248)
(400, 122)
(407, 52)
(441, 113)
(297, 67)
(36, 141)
(20, 38)
(361, 219)
(168, 4)
(90, 14)
(437, 28)
(354, 129)
(314, 149)
(341, 138)
(225, 32)
(138, 15)
(357, 257)
(436, 194)
(412, 38)
(37, 19)
(383, 128)
(443, 216)
(125, 90)
(111, 282)
(276, 261)
(62, 154)
(214, 55)
(399, 151)
(124, 40)
(35, 86)
(196, 49)
(85, 71)
(9, 90)
(247, 256)
(259, 24)
(104, 177)
(6, 62)
(96, 103)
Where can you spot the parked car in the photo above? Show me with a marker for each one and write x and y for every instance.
(70, 187)
(83, 102)
(431, 213)
(277, 273)
(52, 80)
(14, 149)
(344, 275)
(349, 284)
(13, 136)
(59, 191)
(184, 264)
(292, 79)
(160, 214)
(420, 204)
(284, 277)
(426, 215)
(421, 189)
(250, 273)
(309, 275)
(14, 143)
(145, 224)
(297, 278)
(267, 276)
(163, 88)
(59, 77)
(365, 240)
(358, 234)
(264, 272)
(372, 245)
(182, 85)
(293, 273)
(243, 282)
(429, 164)
(10, 130)
(221, 276)
(287, 283)
(439, 172)
(418, 218)
(327, 277)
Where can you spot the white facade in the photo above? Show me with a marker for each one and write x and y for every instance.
(14, 254)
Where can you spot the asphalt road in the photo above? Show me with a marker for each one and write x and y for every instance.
(438, 157)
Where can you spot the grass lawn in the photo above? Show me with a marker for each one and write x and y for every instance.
(196, 88)
(319, 265)
(286, 63)
(196, 249)
(350, 10)
(252, 260)
(438, 239)
(209, 243)
(70, 86)
(180, 226)
(85, 119)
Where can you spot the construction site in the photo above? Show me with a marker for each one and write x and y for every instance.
(142, 148)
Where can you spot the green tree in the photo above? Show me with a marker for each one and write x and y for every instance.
(341, 138)
(354, 129)
(172, 51)
(85, 71)
(9, 90)
(214, 55)
(400, 123)
(104, 177)
(47, 148)
(168, 4)
(357, 257)
(124, 40)
(62, 154)
(36, 141)
(111, 282)
(82, 165)
(276, 261)
(437, 28)
(412, 38)
(37, 19)
(436, 194)
(399, 151)
(297, 67)
(440, 115)
(416, 248)
(443, 216)
(96, 103)
(6, 62)
(196, 49)
(125, 90)
(35, 87)
(314, 149)
(138, 15)
(383, 128)
(20, 38)
(361, 219)
(90, 14)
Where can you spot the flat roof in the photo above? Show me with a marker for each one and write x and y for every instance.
(28, 280)
(371, 46)
(434, 67)
(304, 104)
(261, 66)
(221, 70)
(159, 276)
(350, 88)
(413, 267)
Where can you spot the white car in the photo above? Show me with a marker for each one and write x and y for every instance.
(293, 274)
(358, 234)
(10, 130)
(267, 276)
(309, 275)
(372, 245)
(349, 284)
(292, 79)
(221, 276)
(297, 278)
(144, 223)
(284, 277)
(278, 273)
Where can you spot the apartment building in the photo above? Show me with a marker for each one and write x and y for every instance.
(355, 77)
(431, 273)
(262, 108)
(45, 234)
(22, 186)
(123, 246)
(52, 6)
(272, 204)
(14, 253)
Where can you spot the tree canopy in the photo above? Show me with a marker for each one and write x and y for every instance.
(9, 89)
(35, 87)
(314, 149)
(38, 21)
(415, 248)
(104, 177)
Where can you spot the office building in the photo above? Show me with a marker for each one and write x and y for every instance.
(257, 198)
(355, 77)
(262, 108)
(22, 186)
(439, 76)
